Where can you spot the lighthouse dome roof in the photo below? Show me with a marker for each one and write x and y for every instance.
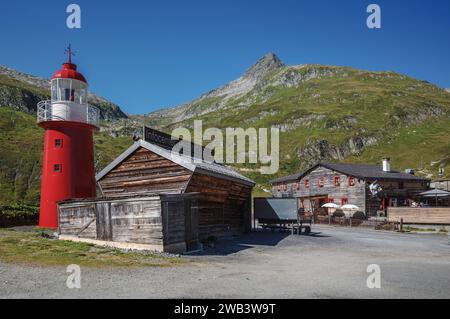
(69, 71)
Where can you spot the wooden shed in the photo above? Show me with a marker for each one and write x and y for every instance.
(151, 196)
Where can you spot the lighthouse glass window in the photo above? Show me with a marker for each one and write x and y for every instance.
(70, 90)
(55, 90)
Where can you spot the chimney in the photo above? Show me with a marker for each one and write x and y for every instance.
(386, 164)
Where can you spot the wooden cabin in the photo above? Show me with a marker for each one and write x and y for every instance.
(151, 196)
(350, 184)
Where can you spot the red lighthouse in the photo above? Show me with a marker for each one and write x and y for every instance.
(69, 123)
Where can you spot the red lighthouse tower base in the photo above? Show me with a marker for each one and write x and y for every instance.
(68, 167)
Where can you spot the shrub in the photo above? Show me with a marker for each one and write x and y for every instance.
(18, 215)
(359, 215)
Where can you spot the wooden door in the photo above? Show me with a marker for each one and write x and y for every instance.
(104, 227)
(191, 224)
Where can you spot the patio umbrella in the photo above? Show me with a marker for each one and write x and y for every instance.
(330, 205)
(349, 210)
(436, 193)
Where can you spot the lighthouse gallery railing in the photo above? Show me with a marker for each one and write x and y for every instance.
(45, 113)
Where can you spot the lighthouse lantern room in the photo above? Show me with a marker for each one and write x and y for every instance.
(69, 123)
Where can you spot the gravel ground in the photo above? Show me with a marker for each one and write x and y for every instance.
(331, 263)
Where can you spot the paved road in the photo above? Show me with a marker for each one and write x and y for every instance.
(331, 263)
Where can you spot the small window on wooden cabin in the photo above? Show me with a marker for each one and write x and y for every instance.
(351, 181)
(321, 182)
(58, 143)
(285, 187)
(279, 188)
(57, 168)
(337, 181)
(344, 201)
(297, 185)
(306, 182)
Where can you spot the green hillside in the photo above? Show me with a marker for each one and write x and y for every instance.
(20, 157)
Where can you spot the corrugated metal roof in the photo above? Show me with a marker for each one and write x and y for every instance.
(363, 171)
(197, 165)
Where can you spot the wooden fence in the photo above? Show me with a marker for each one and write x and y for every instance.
(421, 215)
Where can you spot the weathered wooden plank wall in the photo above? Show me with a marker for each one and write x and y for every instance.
(104, 227)
(74, 217)
(422, 215)
(223, 208)
(145, 172)
(174, 217)
(136, 220)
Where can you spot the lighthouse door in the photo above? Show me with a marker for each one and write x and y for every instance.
(104, 227)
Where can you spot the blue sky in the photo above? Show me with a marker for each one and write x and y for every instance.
(145, 55)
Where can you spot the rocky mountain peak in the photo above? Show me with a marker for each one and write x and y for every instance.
(448, 90)
(266, 64)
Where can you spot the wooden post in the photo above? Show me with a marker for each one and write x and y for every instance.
(401, 225)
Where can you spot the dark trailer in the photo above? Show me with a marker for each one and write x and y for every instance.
(280, 213)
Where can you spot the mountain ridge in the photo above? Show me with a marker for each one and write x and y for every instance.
(288, 76)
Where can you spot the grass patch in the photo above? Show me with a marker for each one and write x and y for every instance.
(408, 229)
(35, 248)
